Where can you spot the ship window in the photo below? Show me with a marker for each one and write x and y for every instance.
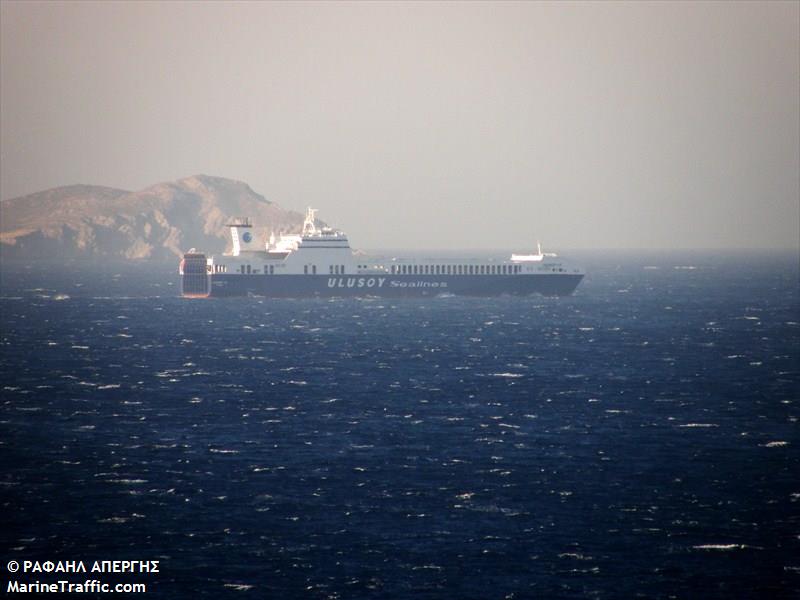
(330, 270)
(272, 269)
(305, 269)
(313, 269)
(341, 269)
(248, 269)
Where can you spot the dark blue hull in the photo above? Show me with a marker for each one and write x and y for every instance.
(393, 286)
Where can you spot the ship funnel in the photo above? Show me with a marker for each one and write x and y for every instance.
(242, 235)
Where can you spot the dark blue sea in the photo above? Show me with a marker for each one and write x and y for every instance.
(638, 439)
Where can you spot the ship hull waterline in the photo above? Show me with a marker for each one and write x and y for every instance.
(384, 285)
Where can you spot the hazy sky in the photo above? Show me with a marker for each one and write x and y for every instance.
(416, 124)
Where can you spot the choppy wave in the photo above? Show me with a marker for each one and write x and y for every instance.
(636, 438)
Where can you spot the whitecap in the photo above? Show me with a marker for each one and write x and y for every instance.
(239, 587)
(126, 481)
(720, 547)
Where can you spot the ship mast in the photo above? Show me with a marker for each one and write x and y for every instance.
(309, 227)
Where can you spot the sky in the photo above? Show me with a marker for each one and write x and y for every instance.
(433, 125)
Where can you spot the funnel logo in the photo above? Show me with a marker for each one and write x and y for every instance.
(247, 237)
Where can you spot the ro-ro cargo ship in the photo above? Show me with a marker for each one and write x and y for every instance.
(319, 262)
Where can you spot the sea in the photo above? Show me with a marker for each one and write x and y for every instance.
(638, 439)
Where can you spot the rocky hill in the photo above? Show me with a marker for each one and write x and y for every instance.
(160, 222)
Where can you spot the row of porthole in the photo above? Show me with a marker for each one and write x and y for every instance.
(456, 269)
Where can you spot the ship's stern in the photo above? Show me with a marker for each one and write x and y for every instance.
(195, 275)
